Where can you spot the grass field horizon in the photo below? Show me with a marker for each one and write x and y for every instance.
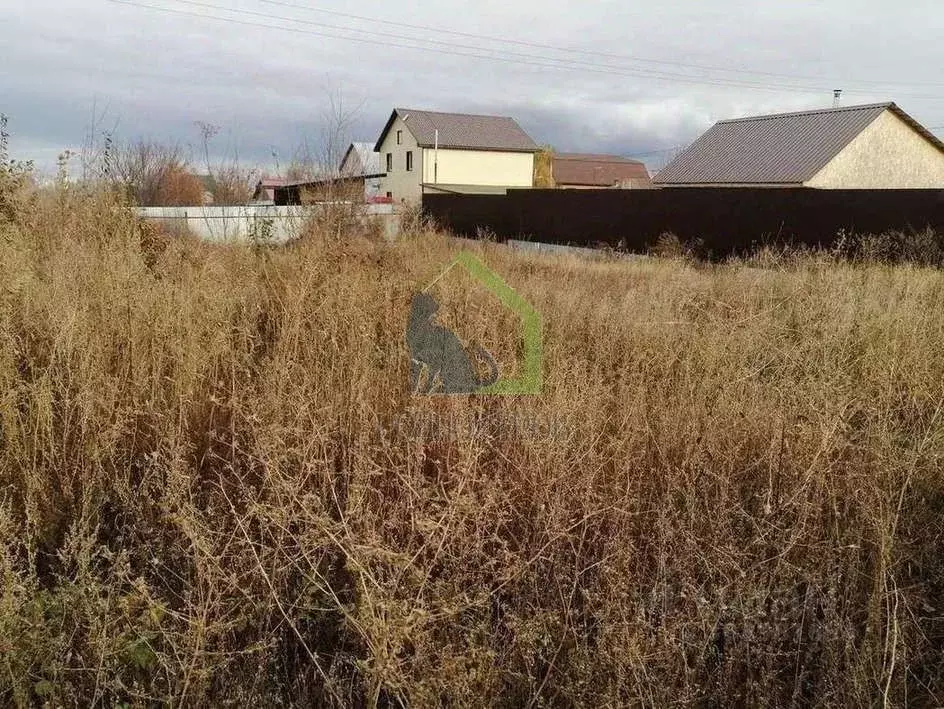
(217, 489)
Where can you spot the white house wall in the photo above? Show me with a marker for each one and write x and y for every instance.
(888, 154)
(478, 167)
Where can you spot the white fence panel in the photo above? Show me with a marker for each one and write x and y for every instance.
(270, 223)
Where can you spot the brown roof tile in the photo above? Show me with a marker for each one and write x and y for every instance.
(596, 170)
(461, 130)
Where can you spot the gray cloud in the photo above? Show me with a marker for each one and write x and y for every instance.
(154, 74)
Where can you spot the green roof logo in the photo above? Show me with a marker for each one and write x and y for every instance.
(440, 364)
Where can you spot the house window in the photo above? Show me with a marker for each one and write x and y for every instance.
(389, 162)
(399, 137)
(389, 195)
(409, 161)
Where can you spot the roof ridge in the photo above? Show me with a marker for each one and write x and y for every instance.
(461, 130)
(810, 112)
(452, 113)
(595, 157)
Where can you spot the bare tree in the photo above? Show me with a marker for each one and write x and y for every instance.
(208, 132)
(229, 183)
(155, 174)
(320, 158)
(337, 120)
(98, 144)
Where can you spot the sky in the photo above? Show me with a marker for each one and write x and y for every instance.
(607, 76)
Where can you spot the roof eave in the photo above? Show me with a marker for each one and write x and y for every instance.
(386, 129)
(442, 146)
(928, 135)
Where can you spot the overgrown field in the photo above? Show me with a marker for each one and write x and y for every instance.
(216, 489)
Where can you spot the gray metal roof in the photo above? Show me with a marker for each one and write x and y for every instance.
(360, 159)
(462, 130)
(786, 148)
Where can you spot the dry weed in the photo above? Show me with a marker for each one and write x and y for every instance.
(215, 489)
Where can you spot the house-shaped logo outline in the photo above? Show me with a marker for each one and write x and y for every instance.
(532, 378)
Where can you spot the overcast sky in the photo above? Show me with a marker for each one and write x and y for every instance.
(614, 76)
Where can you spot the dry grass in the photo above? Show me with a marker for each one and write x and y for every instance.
(215, 489)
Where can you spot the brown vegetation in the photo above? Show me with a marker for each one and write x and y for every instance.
(215, 488)
(154, 175)
(15, 177)
(232, 185)
(544, 168)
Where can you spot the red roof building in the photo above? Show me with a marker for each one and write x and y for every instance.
(581, 171)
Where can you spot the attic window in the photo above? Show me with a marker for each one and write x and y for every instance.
(399, 137)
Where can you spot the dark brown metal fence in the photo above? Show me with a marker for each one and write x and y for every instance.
(724, 220)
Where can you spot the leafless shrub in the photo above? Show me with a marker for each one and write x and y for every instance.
(923, 247)
(15, 177)
(668, 245)
(233, 185)
(414, 221)
(336, 208)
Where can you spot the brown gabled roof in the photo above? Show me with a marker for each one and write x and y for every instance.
(786, 148)
(462, 130)
(596, 170)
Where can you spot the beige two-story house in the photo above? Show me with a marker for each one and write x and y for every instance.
(424, 151)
